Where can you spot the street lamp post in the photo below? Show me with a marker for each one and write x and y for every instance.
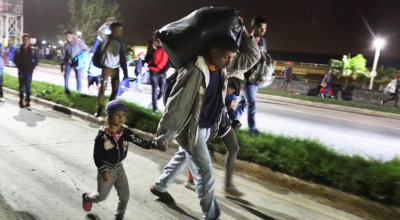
(79, 34)
(44, 42)
(378, 43)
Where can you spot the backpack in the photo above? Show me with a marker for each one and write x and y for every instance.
(262, 75)
(97, 56)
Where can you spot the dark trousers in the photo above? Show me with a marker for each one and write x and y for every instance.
(393, 97)
(1, 81)
(158, 81)
(25, 81)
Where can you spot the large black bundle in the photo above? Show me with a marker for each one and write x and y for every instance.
(185, 39)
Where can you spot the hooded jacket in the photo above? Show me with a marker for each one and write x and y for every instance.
(71, 49)
(182, 112)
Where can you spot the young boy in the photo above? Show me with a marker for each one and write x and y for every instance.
(110, 150)
(94, 75)
(235, 85)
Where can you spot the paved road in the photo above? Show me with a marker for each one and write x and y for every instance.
(46, 164)
(349, 133)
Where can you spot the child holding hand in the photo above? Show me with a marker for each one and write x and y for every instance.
(111, 148)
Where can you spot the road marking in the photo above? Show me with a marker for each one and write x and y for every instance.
(338, 118)
(333, 133)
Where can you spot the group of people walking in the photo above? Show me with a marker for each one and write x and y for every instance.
(202, 104)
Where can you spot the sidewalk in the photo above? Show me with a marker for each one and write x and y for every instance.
(63, 168)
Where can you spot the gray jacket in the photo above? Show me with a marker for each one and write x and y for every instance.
(71, 49)
(181, 116)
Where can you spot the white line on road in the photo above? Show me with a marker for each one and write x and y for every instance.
(333, 133)
(338, 118)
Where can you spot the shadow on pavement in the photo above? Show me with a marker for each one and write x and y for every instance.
(7, 212)
(30, 118)
(179, 210)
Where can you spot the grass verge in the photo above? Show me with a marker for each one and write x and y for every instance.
(306, 159)
(50, 62)
(353, 104)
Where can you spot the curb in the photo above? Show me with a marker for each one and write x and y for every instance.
(347, 202)
(330, 106)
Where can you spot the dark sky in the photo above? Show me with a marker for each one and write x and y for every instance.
(315, 26)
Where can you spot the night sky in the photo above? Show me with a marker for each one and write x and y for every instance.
(312, 26)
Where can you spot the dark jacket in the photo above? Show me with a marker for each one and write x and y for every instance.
(109, 154)
(26, 60)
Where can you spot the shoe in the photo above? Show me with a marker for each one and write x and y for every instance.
(27, 104)
(190, 185)
(156, 111)
(159, 96)
(255, 132)
(21, 104)
(67, 93)
(164, 197)
(322, 96)
(86, 204)
(223, 131)
(98, 113)
(382, 103)
(236, 124)
(232, 191)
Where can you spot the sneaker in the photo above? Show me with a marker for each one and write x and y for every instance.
(164, 196)
(98, 113)
(236, 124)
(27, 104)
(255, 132)
(232, 191)
(86, 204)
(382, 102)
(190, 185)
(223, 131)
(156, 111)
(67, 93)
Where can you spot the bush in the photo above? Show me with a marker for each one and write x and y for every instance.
(306, 159)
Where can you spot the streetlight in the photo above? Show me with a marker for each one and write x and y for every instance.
(60, 42)
(44, 42)
(78, 33)
(378, 43)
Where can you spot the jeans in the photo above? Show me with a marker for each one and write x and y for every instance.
(393, 97)
(78, 73)
(248, 102)
(138, 81)
(201, 168)
(158, 81)
(25, 81)
(327, 89)
(1, 81)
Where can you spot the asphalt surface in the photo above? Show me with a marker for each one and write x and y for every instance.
(348, 133)
(46, 164)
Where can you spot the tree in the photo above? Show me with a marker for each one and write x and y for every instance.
(87, 16)
(350, 67)
(385, 74)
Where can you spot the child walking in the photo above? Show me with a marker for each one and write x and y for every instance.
(110, 149)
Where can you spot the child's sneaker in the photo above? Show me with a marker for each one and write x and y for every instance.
(164, 196)
(86, 204)
(190, 185)
(236, 124)
(223, 131)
